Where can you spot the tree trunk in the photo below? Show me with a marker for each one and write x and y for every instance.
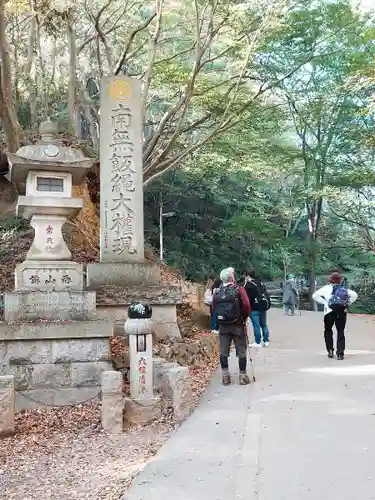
(15, 44)
(312, 287)
(31, 74)
(311, 272)
(72, 85)
(8, 114)
(93, 127)
(43, 84)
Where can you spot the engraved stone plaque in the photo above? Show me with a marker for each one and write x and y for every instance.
(49, 305)
(31, 275)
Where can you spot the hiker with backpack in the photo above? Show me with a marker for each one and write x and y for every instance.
(260, 303)
(208, 302)
(231, 305)
(336, 298)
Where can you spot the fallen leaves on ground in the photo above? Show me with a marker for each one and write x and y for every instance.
(63, 453)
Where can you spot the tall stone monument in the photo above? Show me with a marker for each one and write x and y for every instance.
(51, 339)
(123, 275)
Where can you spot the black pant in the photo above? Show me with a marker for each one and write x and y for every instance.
(337, 318)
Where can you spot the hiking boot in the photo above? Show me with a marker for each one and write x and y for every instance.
(330, 353)
(340, 356)
(244, 379)
(226, 378)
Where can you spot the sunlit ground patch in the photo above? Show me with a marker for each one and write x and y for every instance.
(342, 369)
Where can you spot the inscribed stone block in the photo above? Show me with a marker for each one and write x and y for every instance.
(49, 305)
(154, 295)
(121, 179)
(7, 405)
(142, 411)
(88, 374)
(23, 376)
(38, 398)
(50, 376)
(112, 382)
(42, 330)
(80, 350)
(28, 352)
(125, 274)
(112, 402)
(178, 379)
(52, 275)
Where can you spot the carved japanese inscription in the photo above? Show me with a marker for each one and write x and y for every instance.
(121, 176)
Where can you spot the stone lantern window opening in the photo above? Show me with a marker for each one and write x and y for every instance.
(49, 184)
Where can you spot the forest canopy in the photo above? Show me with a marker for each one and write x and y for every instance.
(258, 119)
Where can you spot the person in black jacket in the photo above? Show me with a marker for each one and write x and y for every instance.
(260, 303)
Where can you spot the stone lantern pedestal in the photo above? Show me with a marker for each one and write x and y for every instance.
(142, 406)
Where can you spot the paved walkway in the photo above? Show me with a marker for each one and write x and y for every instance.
(305, 430)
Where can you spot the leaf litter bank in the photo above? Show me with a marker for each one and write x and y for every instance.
(63, 453)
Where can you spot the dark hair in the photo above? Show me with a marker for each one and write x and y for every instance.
(241, 281)
(335, 279)
(216, 284)
(252, 273)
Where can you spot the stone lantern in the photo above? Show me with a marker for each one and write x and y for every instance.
(44, 175)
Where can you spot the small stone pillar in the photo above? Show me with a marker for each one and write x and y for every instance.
(142, 406)
(112, 402)
(7, 405)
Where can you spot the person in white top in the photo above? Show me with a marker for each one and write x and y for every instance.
(336, 298)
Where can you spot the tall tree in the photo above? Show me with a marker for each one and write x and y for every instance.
(323, 107)
(8, 114)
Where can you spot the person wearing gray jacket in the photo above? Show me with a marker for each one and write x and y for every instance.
(290, 295)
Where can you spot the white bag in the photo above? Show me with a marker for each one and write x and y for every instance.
(208, 297)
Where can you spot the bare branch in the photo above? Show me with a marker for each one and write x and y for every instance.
(107, 31)
(184, 101)
(137, 30)
(152, 56)
(175, 56)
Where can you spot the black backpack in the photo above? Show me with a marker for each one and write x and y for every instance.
(263, 298)
(227, 305)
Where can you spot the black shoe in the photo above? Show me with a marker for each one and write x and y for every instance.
(330, 353)
(340, 357)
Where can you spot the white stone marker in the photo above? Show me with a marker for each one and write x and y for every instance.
(7, 405)
(140, 354)
(121, 172)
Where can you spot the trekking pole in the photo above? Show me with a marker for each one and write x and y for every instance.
(249, 354)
